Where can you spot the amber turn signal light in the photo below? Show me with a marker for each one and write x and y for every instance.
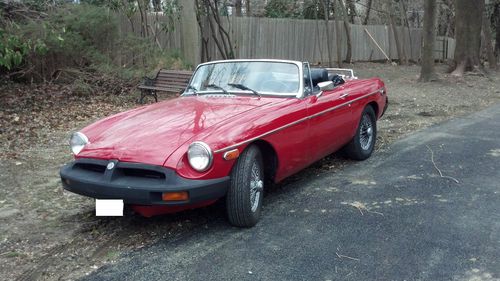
(232, 154)
(175, 196)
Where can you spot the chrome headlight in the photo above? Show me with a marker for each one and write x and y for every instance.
(77, 142)
(200, 156)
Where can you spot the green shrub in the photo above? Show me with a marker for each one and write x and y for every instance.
(85, 37)
(13, 49)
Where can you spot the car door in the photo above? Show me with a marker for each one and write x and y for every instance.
(330, 119)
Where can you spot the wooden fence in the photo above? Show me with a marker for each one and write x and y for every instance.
(294, 39)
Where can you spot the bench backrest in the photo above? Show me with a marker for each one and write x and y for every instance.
(172, 78)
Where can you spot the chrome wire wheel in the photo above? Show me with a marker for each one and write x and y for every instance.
(366, 132)
(256, 187)
(362, 144)
(246, 189)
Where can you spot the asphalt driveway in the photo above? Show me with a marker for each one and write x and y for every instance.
(392, 217)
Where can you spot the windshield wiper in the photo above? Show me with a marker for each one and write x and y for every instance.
(218, 88)
(243, 87)
(195, 91)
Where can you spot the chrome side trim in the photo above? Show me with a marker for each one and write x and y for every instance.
(296, 122)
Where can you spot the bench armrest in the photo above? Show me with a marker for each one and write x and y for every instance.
(147, 81)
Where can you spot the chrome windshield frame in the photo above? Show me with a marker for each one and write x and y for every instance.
(299, 64)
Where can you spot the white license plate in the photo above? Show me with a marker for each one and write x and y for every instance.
(109, 207)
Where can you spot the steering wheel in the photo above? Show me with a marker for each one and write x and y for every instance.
(274, 86)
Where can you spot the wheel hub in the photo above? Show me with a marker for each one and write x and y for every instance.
(256, 187)
(366, 132)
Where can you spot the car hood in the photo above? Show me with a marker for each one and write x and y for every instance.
(150, 134)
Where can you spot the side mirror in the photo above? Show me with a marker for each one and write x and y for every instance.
(326, 86)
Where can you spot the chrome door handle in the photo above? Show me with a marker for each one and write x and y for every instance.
(343, 96)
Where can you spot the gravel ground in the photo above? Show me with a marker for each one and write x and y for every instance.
(47, 233)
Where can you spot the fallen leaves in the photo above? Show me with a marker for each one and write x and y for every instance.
(361, 207)
(31, 114)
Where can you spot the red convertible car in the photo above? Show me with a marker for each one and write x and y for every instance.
(238, 126)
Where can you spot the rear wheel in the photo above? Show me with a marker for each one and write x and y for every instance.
(362, 144)
(244, 197)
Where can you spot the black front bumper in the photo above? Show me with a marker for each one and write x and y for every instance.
(136, 183)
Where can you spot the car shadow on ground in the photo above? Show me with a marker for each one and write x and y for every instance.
(99, 241)
(392, 217)
(133, 231)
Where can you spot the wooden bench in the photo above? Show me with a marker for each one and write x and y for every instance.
(172, 81)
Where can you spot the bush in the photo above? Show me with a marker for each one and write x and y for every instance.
(82, 36)
(13, 49)
(282, 9)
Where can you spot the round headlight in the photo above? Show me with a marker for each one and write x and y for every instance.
(200, 156)
(77, 142)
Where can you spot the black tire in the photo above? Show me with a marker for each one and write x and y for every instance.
(362, 145)
(241, 211)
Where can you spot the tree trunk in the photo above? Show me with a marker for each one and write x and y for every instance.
(449, 18)
(468, 35)
(325, 4)
(427, 72)
(157, 5)
(247, 8)
(354, 17)
(347, 26)
(318, 35)
(202, 20)
(219, 34)
(496, 16)
(368, 10)
(237, 7)
(143, 26)
(145, 11)
(487, 42)
(405, 23)
(338, 35)
(399, 48)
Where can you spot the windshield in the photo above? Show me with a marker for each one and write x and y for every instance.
(257, 77)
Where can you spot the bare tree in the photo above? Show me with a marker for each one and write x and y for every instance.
(318, 34)
(208, 14)
(347, 26)
(202, 20)
(397, 39)
(142, 7)
(405, 23)
(247, 8)
(368, 10)
(353, 13)
(427, 72)
(156, 5)
(486, 33)
(338, 34)
(446, 15)
(495, 19)
(237, 7)
(326, 12)
(468, 35)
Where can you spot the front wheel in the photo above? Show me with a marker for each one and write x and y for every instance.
(362, 144)
(244, 197)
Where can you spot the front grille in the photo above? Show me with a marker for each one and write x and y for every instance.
(142, 173)
(122, 172)
(91, 167)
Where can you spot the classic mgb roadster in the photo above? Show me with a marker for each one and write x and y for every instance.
(238, 126)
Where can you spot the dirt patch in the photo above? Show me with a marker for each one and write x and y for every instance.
(48, 233)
